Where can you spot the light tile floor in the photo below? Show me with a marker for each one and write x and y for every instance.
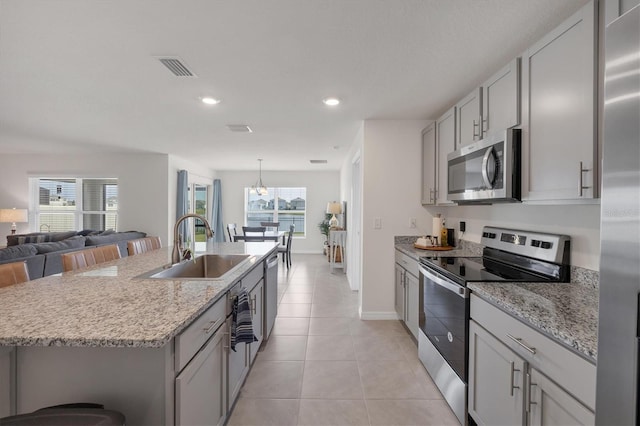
(324, 366)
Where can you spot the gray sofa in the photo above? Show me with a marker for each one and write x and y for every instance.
(45, 258)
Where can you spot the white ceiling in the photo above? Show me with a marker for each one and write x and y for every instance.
(81, 74)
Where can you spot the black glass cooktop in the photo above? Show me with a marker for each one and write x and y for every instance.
(479, 269)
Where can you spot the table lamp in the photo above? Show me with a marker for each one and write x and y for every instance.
(334, 208)
(12, 216)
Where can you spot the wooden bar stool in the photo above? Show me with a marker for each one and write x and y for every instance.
(13, 273)
(89, 257)
(143, 245)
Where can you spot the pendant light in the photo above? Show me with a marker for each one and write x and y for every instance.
(259, 187)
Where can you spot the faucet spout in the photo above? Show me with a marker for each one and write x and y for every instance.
(176, 254)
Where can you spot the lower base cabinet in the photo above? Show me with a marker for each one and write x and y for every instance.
(201, 388)
(510, 370)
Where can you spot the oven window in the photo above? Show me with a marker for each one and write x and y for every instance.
(445, 324)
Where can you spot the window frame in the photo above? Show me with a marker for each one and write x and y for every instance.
(275, 211)
(78, 212)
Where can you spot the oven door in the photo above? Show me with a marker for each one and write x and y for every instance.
(486, 170)
(444, 318)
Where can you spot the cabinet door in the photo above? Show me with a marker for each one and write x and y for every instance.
(201, 388)
(256, 300)
(238, 365)
(429, 165)
(468, 118)
(412, 302)
(399, 292)
(549, 404)
(501, 99)
(446, 140)
(495, 380)
(7, 381)
(559, 86)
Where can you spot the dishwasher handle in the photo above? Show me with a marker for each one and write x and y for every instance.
(272, 262)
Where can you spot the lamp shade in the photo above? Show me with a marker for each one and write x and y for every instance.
(13, 215)
(334, 207)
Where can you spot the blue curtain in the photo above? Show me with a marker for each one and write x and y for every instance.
(182, 202)
(218, 227)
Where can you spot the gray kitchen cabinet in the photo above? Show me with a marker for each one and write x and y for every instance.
(468, 118)
(406, 291)
(445, 144)
(549, 404)
(510, 371)
(496, 376)
(201, 388)
(7, 381)
(559, 146)
(256, 301)
(237, 368)
(501, 99)
(429, 165)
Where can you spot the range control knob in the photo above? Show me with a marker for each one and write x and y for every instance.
(535, 243)
(546, 245)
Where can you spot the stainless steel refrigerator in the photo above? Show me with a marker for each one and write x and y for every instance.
(619, 320)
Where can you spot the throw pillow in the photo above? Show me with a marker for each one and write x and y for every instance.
(17, 252)
(76, 242)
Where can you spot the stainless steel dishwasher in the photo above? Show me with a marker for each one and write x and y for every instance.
(271, 293)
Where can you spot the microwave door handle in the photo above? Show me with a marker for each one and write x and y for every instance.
(485, 165)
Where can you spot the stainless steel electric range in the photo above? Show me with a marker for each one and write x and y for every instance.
(508, 255)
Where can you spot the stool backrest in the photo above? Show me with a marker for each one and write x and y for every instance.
(13, 273)
(143, 245)
(89, 257)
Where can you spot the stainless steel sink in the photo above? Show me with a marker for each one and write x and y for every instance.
(203, 267)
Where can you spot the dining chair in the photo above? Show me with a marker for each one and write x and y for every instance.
(143, 245)
(253, 231)
(272, 226)
(232, 231)
(286, 249)
(89, 257)
(13, 273)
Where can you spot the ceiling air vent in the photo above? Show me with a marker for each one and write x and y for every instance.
(318, 161)
(176, 66)
(241, 128)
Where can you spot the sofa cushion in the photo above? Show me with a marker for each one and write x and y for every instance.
(16, 252)
(98, 240)
(38, 237)
(76, 242)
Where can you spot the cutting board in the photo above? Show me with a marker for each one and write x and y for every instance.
(434, 248)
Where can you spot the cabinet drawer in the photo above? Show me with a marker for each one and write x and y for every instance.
(570, 371)
(253, 277)
(189, 342)
(408, 263)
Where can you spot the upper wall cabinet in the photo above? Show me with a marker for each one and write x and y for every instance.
(468, 118)
(429, 165)
(501, 99)
(445, 143)
(559, 112)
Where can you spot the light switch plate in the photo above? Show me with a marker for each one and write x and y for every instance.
(412, 222)
(377, 223)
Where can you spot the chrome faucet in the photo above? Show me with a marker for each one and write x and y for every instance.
(176, 254)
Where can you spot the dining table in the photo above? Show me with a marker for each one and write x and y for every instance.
(268, 236)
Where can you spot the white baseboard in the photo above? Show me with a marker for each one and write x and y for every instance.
(364, 315)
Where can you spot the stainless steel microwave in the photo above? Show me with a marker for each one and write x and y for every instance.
(486, 171)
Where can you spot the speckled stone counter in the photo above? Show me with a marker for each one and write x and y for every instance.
(567, 312)
(465, 249)
(107, 306)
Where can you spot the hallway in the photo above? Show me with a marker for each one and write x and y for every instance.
(323, 366)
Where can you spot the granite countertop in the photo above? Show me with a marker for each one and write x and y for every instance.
(567, 312)
(106, 305)
(415, 253)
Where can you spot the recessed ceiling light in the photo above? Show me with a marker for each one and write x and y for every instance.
(331, 101)
(318, 161)
(209, 100)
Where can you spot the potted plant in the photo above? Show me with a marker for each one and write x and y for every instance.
(324, 230)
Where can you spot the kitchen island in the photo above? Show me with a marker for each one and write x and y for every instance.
(104, 335)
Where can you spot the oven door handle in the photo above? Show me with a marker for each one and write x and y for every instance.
(454, 288)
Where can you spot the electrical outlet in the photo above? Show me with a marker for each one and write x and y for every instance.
(412, 222)
(377, 223)
(463, 226)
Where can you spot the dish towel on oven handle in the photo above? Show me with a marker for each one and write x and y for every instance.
(241, 325)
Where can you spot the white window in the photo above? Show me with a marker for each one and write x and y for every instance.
(285, 205)
(73, 204)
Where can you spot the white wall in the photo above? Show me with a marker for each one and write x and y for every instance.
(142, 184)
(580, 222)
(391, 163)
(322, 187)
